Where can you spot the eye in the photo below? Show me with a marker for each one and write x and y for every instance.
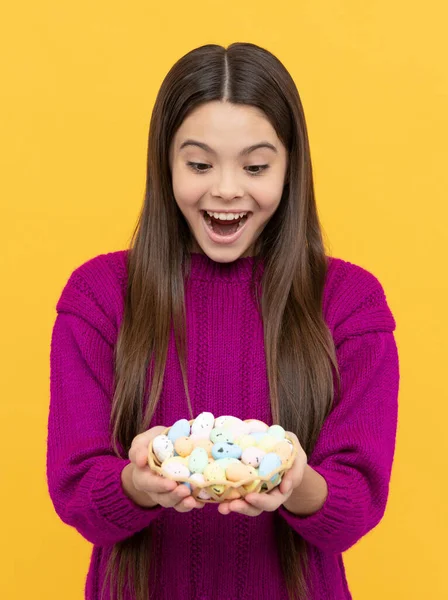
(261, 167)
(196, 168)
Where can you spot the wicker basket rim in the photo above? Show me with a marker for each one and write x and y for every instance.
(231, 484)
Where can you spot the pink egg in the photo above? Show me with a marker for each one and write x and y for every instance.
(252, 456)
(255, 425)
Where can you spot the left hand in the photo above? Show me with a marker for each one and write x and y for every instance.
(255, 503)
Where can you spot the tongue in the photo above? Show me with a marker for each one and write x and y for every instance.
(225, 229)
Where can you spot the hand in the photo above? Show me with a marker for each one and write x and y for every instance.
(148, 488)
(254, 503)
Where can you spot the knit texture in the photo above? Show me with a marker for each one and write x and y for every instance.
(203, 555)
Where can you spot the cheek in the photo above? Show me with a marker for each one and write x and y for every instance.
(187, 190)
(268, 197)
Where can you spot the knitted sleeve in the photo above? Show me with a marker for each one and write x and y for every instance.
(355, 448)
(83, 473)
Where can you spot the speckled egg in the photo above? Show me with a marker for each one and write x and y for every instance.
(284, 450)
(183, 460)
(214, 472)
(162, 447)
(220, 434)
(175, 470)
(203, 424)
(226, 450)
(237, 472)
(238, 429)
(252, 456)
(214, 450)
(198, 460)
(225, 462)
(199, 478)
(183, 446)
(249, 487)
(226, 421)
(269, 463)
(204, 495)
(256, 426)
(180, 428)
(204, 443)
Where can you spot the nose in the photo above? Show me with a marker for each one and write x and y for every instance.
(227, 186)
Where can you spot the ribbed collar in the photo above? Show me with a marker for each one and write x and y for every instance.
(203, 267)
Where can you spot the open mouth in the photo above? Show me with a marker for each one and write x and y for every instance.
(224, 228)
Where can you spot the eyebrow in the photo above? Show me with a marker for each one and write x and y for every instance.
(243, 152)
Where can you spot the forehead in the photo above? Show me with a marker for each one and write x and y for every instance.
(218, 123)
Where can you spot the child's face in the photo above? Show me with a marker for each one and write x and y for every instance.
(225, 181)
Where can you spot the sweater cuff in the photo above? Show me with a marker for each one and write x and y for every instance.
(111, 503)
(340, 521)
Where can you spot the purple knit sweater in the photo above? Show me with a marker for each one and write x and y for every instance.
(203, 555)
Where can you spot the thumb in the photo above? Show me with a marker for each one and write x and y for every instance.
(139, 449)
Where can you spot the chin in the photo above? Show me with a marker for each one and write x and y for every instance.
(226, 255)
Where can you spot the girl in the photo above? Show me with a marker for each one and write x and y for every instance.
(226, 302)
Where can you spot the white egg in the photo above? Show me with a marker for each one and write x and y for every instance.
(203, 424)
(163, 447)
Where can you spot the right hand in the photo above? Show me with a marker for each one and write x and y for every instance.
(148, 488)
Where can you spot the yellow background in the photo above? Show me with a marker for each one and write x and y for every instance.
(79, 80)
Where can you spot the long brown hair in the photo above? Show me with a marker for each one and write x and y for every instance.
(300, 353)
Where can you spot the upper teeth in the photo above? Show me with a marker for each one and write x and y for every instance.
(225, 216)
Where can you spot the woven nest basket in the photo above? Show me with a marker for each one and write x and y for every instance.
(232, 489)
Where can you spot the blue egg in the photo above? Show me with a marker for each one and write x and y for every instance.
(180, 428)
(187, 484)
(269, 463)
(226, 450)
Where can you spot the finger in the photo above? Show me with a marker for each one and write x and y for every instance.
(242, 507)
(188, 504)
(185, 505)
(170, 499)
(223, 508)
(268, 502)
(138, 452)
(287, 483)
(147, 481)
